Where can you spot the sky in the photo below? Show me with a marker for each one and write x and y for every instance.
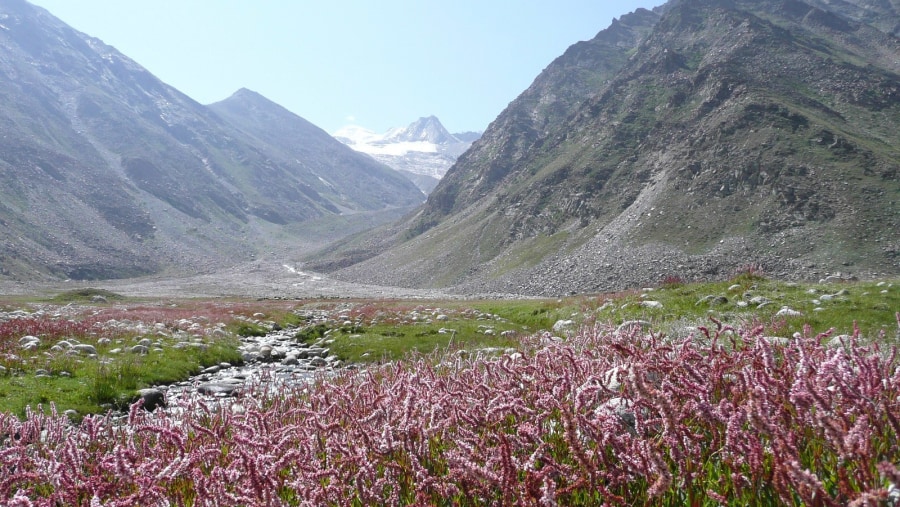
(377, 64)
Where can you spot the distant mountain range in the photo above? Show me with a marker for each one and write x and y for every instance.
(105, 171)
(423, 151)
(691, 141)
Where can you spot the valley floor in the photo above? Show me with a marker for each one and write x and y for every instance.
(258, 279)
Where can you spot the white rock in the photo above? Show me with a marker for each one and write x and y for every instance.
(28, 339)
(85, 349)
(562, 325)
(787, 312)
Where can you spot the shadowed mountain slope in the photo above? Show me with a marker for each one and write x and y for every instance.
(105, 171)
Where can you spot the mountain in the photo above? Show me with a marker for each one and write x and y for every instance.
(422, 151)
(690, 141)
(353, 182)
(105, 171)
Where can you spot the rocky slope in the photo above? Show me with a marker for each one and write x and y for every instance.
(423, 151)
(105, 171)
(691, 141)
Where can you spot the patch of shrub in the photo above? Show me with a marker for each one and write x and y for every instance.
(87, 294)
(250, 329)
(311, 333)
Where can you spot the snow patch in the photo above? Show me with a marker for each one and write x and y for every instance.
(397, 149)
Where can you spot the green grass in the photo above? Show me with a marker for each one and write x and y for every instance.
(92, 385)
(88, 294)
(388, 342)
(448, 325)
(870, 306)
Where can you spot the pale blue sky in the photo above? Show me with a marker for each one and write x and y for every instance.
(378, 64)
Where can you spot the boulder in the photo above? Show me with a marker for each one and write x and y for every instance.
(152, 398)
(84, 348)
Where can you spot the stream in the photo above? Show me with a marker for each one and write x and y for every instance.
(276, 358)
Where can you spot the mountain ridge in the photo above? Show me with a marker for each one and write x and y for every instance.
(695, 139)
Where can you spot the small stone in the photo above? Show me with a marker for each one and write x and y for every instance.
(562, 325)
(139, 349)
(651, 304)
(317, 352)
(217, 389)
(787, 312)
(611, 377)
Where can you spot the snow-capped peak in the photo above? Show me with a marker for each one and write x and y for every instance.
(423, 148)
(427, 129)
